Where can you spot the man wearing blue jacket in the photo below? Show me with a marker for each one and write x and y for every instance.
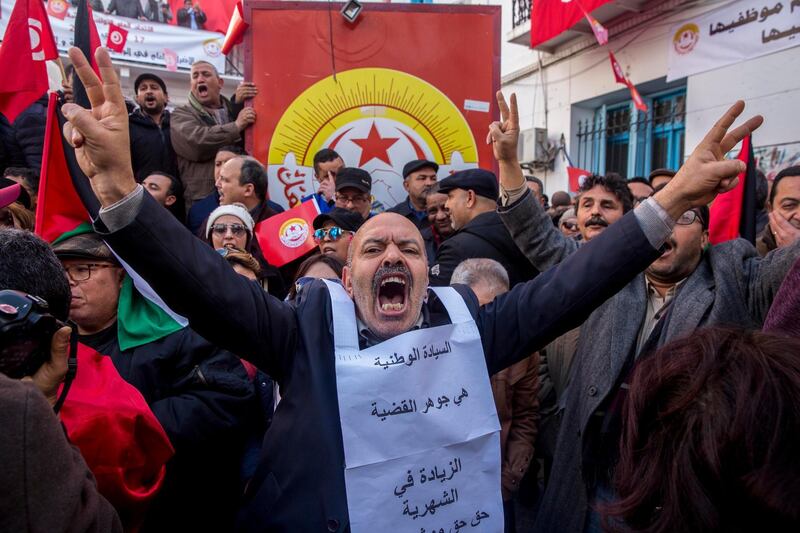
(309, 472)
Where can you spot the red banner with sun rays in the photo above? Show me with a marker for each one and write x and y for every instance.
(403, 82)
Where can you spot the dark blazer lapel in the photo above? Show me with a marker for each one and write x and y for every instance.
(692, 303)
(613, 333)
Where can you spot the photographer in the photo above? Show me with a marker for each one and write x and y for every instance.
(46, 484)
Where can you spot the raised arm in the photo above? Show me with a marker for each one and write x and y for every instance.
(193, 280)
(536, 312)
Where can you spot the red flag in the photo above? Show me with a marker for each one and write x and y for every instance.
(732, 215)
(600, 32)
(118, 435)
(59, 209)
(550, 18)
(27, 44)
(576, 177)
(117, 37)
(236, 29)
(619, 74)
(218, 13)
(57, 8)
(288, 235)
(637, 98)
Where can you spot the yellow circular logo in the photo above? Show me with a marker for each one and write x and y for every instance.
(685, 39)
(377, 119)
(293, 232)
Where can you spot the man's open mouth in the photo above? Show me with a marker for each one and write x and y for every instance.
(393, 294)
(202, 89)
(327, 249)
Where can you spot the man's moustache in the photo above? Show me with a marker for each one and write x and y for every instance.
(597, 221)
(388, 271)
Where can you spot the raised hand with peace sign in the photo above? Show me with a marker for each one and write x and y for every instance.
(504, 138)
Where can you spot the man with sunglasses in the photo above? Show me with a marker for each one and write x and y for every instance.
(690, 286)
(334, 230)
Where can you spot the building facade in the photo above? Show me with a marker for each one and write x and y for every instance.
(572, 109)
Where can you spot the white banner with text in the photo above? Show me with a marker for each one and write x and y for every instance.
(736, 32)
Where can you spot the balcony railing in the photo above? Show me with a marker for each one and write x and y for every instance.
(520, 12)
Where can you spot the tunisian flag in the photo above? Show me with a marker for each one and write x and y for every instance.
(576, 177)
(27, 44)
(733, 214)
(552, 17)
(286, 236)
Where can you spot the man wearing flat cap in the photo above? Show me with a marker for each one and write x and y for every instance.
(419, 179)
(334, 230)
(472, 203)
(151, 146)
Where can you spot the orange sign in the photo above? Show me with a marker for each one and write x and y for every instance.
(403, 82)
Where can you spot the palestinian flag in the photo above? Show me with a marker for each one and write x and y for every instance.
(66, 207)
(733, 214)
(88, 40)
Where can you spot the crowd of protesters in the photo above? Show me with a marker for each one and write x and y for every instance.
(658, 390)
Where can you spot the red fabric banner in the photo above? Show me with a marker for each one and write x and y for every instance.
(59, 209)
(118, 435)
(288, 235)
(27, 44)
(550, 18)
(117, 37)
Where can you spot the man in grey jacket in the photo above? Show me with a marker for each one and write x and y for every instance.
(688, 287)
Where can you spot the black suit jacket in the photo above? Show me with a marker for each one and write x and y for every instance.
(484, 236)
(299, 485)
(404, 209)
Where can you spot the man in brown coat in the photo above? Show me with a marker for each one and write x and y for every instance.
(208, 122)
(46, 484)
(515, 388)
